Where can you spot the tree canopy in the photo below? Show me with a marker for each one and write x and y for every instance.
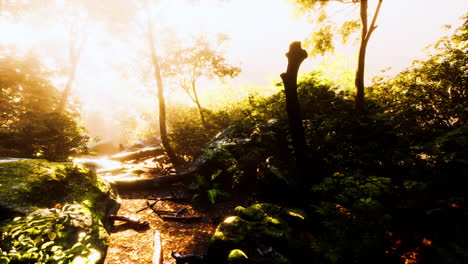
(30, 125)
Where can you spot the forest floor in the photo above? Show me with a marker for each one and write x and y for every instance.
(129, 246)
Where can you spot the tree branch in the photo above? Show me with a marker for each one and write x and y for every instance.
(374, 19)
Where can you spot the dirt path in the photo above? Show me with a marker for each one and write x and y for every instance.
(128, 246)
(131, 246)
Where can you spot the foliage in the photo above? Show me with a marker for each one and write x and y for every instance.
(186, 65)
(31, 127)
(432, 93)
(74, 229)
(39, 238)
(356, 213)
(392, 178)
(396, 177)
(217, 185)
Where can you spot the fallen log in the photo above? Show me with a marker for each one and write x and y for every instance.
(138, 155)
(189, 258)
(133, 222)
(145, 184)
(157, 248)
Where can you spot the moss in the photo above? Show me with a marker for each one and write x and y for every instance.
(29, 185)
(250, 213)
(237, 256)
(257, 226)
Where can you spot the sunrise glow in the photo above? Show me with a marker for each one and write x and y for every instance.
(112, 66)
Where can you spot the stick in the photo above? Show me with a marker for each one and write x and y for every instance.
(182, 219)
(180, 211)
(147, 206)
(157, 248)
(154, 210)
(136, 223)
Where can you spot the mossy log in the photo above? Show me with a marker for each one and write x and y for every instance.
(138, 155)
(147, 184)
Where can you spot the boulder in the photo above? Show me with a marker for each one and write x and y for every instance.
(60, 213)
(152, 141)
(103, 147)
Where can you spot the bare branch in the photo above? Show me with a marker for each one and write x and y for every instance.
(374, 19)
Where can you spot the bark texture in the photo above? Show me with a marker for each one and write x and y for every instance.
(296, 55)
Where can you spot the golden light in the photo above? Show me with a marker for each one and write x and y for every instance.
(109, 79)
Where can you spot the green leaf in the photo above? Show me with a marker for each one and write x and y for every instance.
(32, 249)
(37, 239)
(215, 175)
(47, 244)
(4, 260)
(52, 235)
(55, 248)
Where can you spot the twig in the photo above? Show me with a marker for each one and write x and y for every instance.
(154, 210)
(182, 219)
(180, 211)
(147, 206)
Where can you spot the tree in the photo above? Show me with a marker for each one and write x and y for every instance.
(160, 87)
(432, 94)
(77, 42)
(188, 64)
(323, 38)
(296, 55)
(73, 13)
(30, 125)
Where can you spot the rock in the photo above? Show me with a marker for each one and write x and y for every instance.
(152, 141)
(103, 147)
(264, 233)
(237, 256)
(62, 213)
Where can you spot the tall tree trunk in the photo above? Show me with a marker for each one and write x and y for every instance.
(68, 86)
(77, 41)
(296, 55)
(365, 36)
(197, 102)
(162, 103)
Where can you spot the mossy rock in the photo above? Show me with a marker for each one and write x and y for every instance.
(237, 256)
(255, 227)
(62, 211)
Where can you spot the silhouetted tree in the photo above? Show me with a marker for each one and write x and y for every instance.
(322, 40)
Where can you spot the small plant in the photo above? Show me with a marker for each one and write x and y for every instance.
(40, 236)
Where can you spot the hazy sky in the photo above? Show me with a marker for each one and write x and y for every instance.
(260, 33)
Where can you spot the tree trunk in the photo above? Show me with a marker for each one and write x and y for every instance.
(296, 55)
(148, 184)
(359, 79)
(68, 85)
(77, 42)
(162, 105)
(197, 102)
(365, 36)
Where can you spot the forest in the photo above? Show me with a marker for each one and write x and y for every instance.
(129, 133)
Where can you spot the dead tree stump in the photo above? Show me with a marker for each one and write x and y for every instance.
(296, 55)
